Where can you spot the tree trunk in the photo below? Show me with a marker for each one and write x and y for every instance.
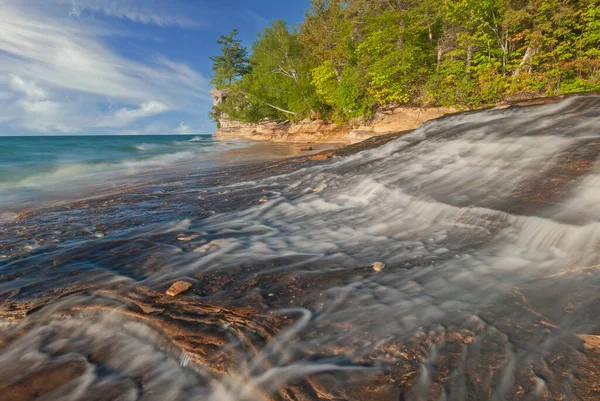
(526, 61)
(281, 110)
(337, 73)
(469, 57)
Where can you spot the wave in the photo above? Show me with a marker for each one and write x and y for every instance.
(145, 147)
(72, 180)
(199, 139)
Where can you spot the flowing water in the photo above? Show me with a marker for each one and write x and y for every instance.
(487, 224)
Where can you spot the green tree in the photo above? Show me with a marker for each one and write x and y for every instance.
(232, 64)
(280, 83)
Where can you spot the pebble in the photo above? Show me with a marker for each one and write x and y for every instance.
(378, 266)
(188, 238)
(211, 245)
(178, 287)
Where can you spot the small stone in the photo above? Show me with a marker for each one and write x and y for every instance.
(188, 238)
(378, 266)
(179, 287)
(212, 245)
(263, 200)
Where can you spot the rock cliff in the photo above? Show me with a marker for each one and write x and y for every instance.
(385, 121)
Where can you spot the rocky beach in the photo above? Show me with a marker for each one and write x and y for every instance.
(458, 261)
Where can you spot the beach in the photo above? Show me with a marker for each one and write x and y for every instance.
(457, 261)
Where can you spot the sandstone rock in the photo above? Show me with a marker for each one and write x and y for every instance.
(322, 156)
(356, 136)
(179, 287)
(378, 266)
(188, 238)
(590, 341)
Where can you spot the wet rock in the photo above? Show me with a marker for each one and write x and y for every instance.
(590, 342)
(322, 156)
(378, 266)
(212, 245)
(178, 288)
(44, 380)
(188, 238)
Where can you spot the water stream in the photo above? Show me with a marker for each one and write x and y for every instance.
(487, 225)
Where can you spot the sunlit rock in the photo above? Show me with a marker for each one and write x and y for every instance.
(378, 266)
(178, 288)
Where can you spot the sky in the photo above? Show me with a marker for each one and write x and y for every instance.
(74, 67)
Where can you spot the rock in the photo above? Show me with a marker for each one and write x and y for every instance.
(263, 200)
(356, 136)
(178, 287)
(211, 245)
(378, 266)
(307, 149)
(322, 156)
(590, 342)
(188, 238)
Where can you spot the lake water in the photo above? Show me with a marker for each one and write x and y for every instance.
(41, 167)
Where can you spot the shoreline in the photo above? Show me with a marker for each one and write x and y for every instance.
(386, 121)
(249, 155)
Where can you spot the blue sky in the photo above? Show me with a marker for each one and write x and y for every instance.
(118, 66)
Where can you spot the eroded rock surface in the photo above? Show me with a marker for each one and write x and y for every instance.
(486, 222)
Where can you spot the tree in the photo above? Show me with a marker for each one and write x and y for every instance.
(232, 64)
(280, 83)
(349, 57)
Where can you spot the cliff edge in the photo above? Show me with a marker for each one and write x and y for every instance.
(385, 121)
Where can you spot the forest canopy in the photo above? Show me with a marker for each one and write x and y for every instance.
(350, 57)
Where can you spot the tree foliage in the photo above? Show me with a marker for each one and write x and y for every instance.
(232, 63)
(350, 57)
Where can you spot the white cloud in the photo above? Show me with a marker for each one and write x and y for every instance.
(30, 89)
(61, 75)
(184, 129)
(125, 116)
(125, 10)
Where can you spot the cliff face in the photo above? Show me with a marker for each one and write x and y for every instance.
(313, 131)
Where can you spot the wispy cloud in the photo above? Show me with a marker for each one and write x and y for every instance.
(58, 74)
(126, 9)
(126, 116)
(253, 18)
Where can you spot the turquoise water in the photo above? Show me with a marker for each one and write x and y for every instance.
(36, 168)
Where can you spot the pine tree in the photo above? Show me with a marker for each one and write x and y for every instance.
(232, 64)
